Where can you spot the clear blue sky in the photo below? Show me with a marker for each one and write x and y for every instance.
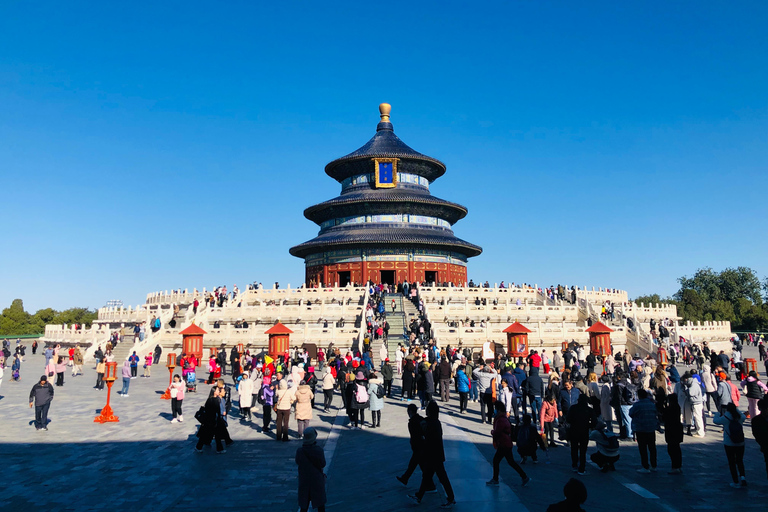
(155, 145)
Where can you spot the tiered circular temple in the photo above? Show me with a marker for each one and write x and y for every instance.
(385, 226)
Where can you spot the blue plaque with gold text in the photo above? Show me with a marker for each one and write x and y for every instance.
(386, 172)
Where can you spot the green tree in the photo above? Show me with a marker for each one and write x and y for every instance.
(14, 321)
(733, 294)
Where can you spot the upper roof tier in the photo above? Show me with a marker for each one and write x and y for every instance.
(385, 144)
(375, 202)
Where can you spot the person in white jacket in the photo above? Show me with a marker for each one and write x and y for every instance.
(328, 384)
(245, 392)
(506, 396)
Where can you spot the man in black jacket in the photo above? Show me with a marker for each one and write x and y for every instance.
(533, 387)
(581, 418)
(388, 375)
(221, 359)
(416, 431)
(41, 396)
(444, 375)
(434, 457)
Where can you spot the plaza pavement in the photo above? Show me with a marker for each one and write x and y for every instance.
(144, 462)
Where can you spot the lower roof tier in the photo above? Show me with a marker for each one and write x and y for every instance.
(385, 237)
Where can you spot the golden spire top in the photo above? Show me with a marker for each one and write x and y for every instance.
(384, 110)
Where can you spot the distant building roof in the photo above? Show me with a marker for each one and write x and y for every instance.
(193, 329)
(599, 327)
(278, 328)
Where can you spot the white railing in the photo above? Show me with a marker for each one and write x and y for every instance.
(600, 295)
(502, 312)
(703, 331)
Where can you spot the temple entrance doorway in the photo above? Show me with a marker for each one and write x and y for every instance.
(344, 278)
(430, 276)
(388, 276)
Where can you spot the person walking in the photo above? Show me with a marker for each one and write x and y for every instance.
(210, 424)
(416, 433)
(733, 440)
(40, 397)
(673, 433)
(61, 367)
(310, 459)
(376, 397)
(176, 390)
(644, 425)
(434, 457)
(304, 396)
(755, 390)
(502, 441)
(77, 362)
(157, 353)
(581, 419)
(126, 374)
(283, 401)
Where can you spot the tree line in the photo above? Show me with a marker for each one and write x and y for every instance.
(734, 294)
(15, 321)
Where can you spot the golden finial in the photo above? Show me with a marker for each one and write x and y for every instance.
(384, 109)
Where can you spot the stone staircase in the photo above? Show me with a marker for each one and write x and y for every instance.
(397, 327)
(123, 350)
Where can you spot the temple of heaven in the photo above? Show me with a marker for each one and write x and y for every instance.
(385, 226)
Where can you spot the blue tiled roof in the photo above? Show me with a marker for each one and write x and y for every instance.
(385, 144)
(389, 236)
(380, 201)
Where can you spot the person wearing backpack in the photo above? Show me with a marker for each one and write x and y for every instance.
(360, 400)
(607, 443)
(755, 390)
(733, 440)
(376, 396)
(644, 424)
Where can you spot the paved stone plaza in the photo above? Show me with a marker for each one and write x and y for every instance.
(144, 462)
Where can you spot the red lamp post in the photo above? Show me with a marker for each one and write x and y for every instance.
(517, 339)
(171, 366)
(662, 358)
(110, 375)
(600, 340)
(279, 339)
